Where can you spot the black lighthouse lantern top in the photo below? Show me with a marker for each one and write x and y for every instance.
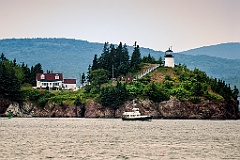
(169, 53)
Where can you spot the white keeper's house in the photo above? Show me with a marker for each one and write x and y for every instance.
(54, 80)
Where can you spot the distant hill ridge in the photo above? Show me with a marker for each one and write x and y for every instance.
(68, 56)
(72, 57)
(224, 50)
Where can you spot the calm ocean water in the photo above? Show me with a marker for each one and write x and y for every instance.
(98, 139)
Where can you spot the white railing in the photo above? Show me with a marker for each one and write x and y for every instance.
(147, 71)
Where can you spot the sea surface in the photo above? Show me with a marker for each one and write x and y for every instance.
(110, 139)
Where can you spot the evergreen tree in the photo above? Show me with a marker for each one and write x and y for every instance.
(95, 64)
(111, 58)
(118, 55)
(27, 73)
(160, 61)
(38, 68)
(83, 78)
(33, 72)
(98, 77)
(105, 53)
(88, 73)
(124, 65)
(2, 79)
(113, 96)
(10, 85)
(107, 58)
(114, 60)
(149, 59)
(3, 58)
(235, 93)
(136, 58)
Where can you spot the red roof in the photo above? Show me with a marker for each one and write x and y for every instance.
(49, 77)
(129, 79)
(69, 81)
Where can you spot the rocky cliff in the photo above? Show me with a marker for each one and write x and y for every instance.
(172, 108)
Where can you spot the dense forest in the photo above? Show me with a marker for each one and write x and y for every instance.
(118, 62)
(13, 76)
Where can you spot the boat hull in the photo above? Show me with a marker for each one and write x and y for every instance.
(145, 118)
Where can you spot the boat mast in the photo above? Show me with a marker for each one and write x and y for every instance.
(134, 104)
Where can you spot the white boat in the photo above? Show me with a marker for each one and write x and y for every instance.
(135, 115)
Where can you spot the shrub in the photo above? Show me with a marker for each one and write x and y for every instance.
(113, 96)
(135, 88)
(154, 93)
(44, 97)
(168, 77)
(30, 94)
(213, 96)
(180, 93)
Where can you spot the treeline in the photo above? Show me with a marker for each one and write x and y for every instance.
(13, 75)
(117, 62)
(220, 87)
(197, 85)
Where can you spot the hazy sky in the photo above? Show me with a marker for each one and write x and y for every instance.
(156, 24)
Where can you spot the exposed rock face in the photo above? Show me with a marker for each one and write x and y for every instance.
(95, 110)
(14, 110)
(28, 109)
(19, 110)
(204, 110)
(54, 110)
(147, 107)
(172, 108)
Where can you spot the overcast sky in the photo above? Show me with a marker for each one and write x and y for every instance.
(155, 24)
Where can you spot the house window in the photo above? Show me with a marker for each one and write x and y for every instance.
(56, 76)
(42, 76)
(55, 84)
(44, 84)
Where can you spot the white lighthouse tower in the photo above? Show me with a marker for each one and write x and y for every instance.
(169, 58)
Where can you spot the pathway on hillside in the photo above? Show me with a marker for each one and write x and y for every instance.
(147, 71)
